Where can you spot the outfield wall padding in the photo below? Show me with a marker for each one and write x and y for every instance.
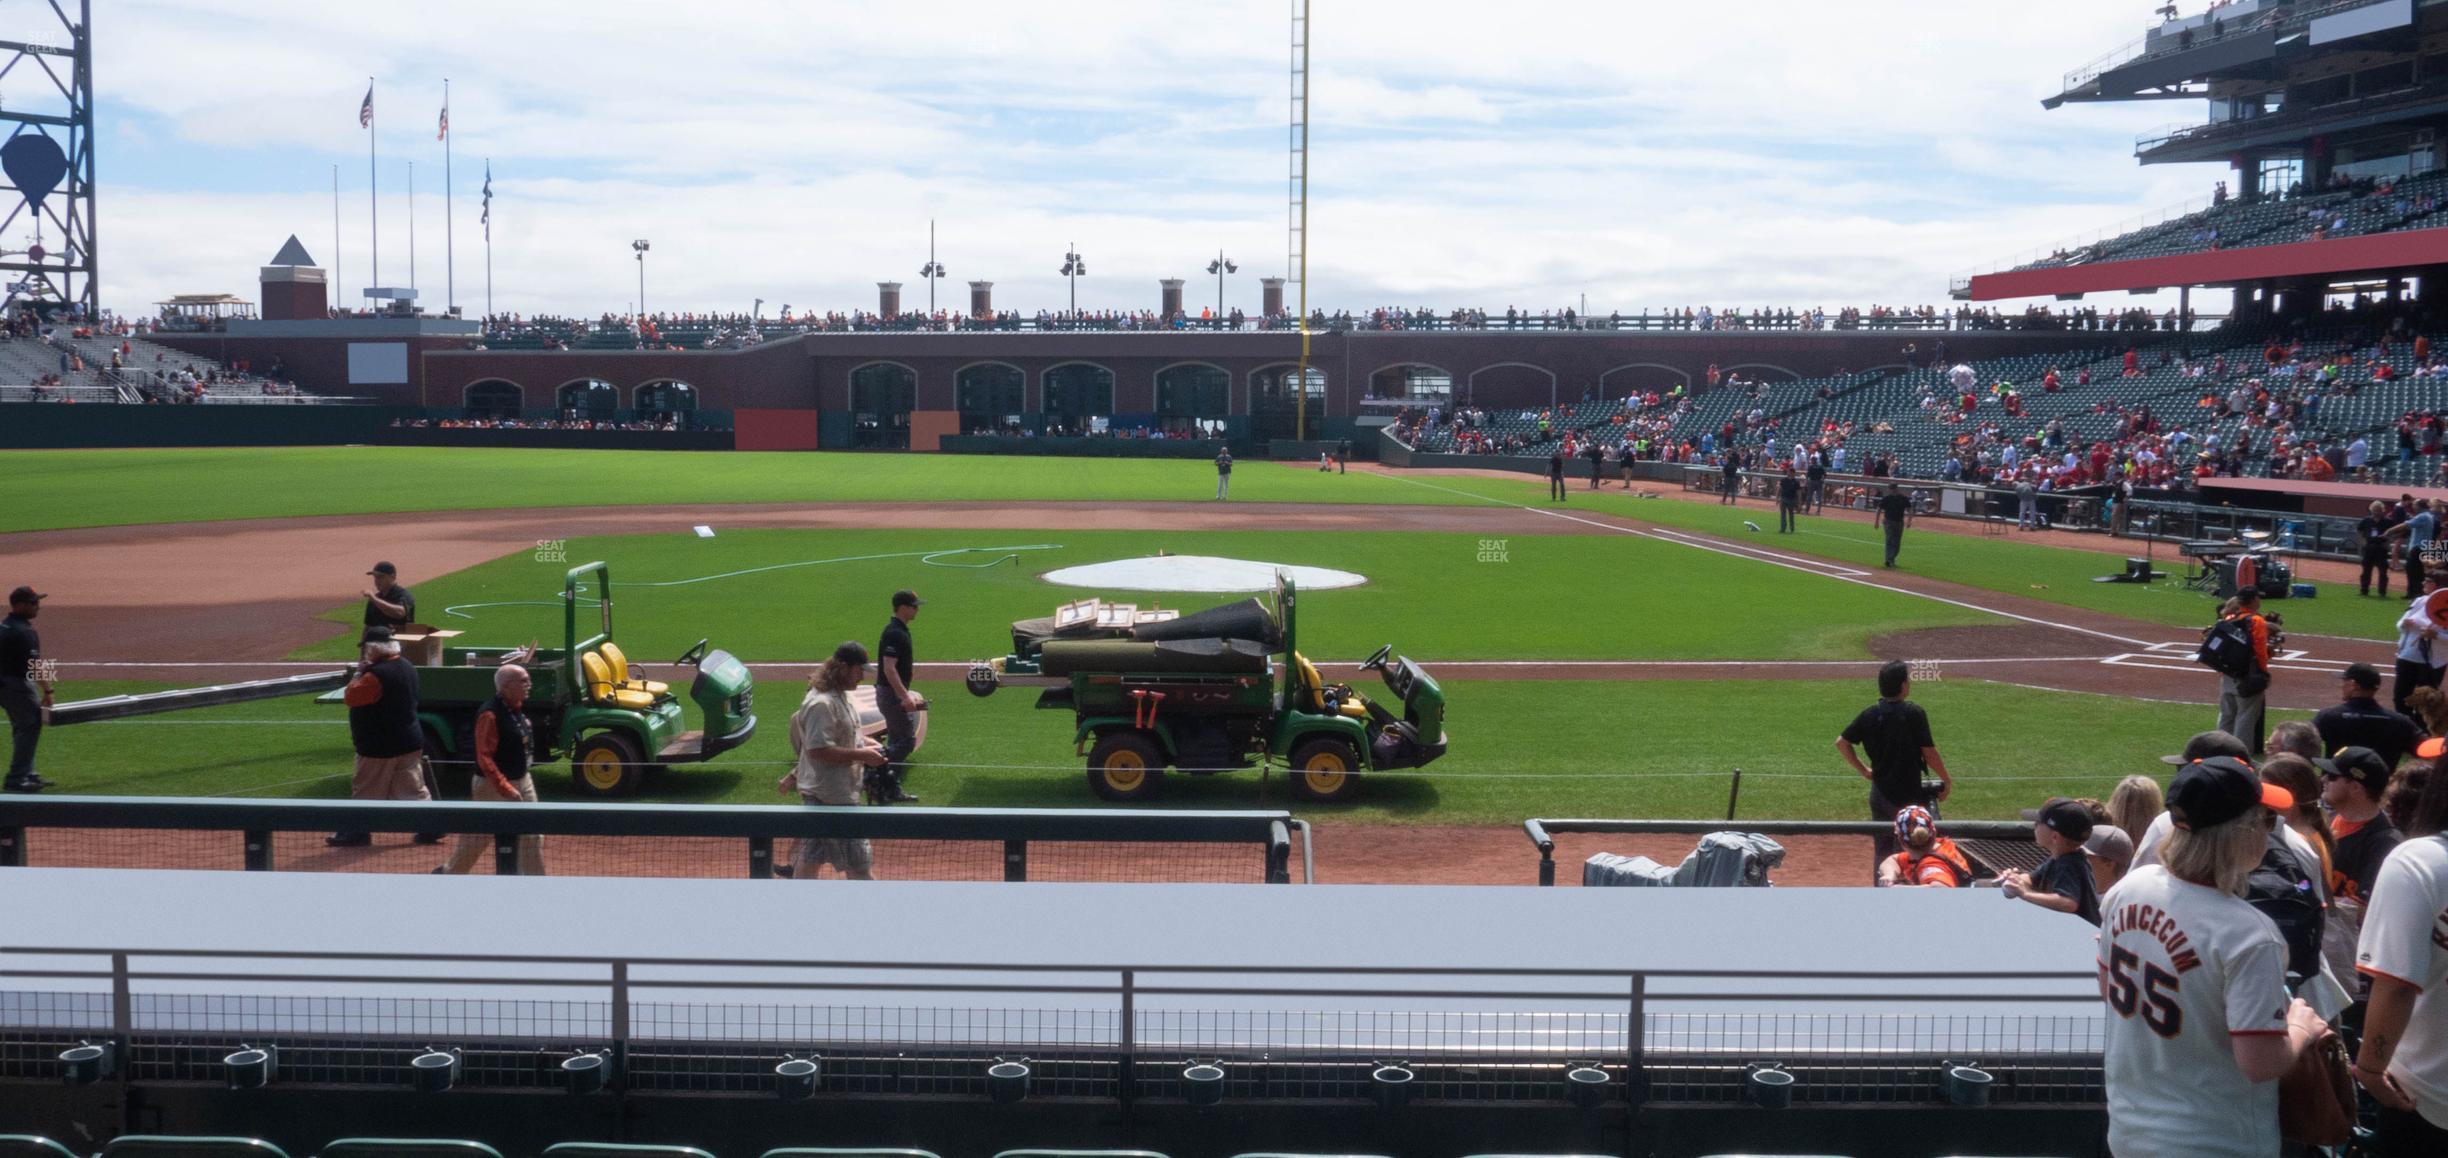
(1082, 447)
(58, 425)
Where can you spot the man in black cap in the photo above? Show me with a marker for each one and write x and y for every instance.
(383, 729)
(387, 603)
(25, 690)
(2359, 721)
(1896, 733)
(896, 701)
(2351, 785)
(2063, 883)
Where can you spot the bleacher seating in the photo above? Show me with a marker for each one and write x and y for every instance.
(2416, 202)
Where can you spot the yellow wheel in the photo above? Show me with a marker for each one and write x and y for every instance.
(607, 764)
(1325, 770)
(1125, 767)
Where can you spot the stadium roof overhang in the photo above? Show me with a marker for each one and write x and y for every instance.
(2221, 267)
(2177, 75)
(2217, 142)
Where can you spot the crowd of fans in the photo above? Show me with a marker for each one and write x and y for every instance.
(568, 421)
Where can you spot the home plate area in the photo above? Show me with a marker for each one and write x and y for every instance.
(2179, 657)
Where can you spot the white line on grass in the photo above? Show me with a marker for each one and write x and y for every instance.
(1844, 578)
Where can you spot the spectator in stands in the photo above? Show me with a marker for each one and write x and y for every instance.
(2403, 1062)
(2110, 853)
(504, 746)
(2063, 884)
(828, 755)
(390, 746)
(2358, 720)
(2421, 657)
(1896, 733)
(1927, 860)
(2242, 698)
(2352, 783)
(2135, 804)
(2230, 1028)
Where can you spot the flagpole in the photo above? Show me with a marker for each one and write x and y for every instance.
(373, 190)
(336, 280)
(412, 228)
(488, 228)
(450, 285)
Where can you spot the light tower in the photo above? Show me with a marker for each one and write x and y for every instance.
(47, 164)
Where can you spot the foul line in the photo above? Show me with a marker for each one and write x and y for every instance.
(1845, 575)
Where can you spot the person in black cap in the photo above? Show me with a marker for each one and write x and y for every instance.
(25, 691)
(896, 700)
(1896, 733)
(383, 729)
(2063, 884)
(387, 603)
(2358, 721)
(2351, 785)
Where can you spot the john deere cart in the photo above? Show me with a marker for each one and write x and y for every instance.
(1199, 694)
(587, 703)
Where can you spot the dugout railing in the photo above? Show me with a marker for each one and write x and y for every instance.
(629, 839)
(1993, 844)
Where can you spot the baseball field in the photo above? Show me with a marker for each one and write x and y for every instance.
(1615, 655)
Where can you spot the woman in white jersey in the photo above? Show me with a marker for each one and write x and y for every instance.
(2404, 950)
(2199, 1024)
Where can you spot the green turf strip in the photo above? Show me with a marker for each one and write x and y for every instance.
(1433, 596)
(1520, 749)
(2060, 575)
(95, 488)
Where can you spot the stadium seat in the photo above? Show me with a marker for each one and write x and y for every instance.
(178, 1146)
(620, 672)
(406, 1148)
(32, 1146)
(820, 1152)
(602, 690)
(620, 1150)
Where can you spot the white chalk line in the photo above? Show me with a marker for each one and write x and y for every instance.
(1845, 578)
(949, 669)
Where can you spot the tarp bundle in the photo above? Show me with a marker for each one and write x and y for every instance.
(1723, 860)
(1248, 619)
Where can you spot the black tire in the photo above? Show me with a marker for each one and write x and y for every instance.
(1125, 768)
(607, 765)
(1325, 770)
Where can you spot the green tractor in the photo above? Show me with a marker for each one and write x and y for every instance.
(615, 728)
(1198, 694)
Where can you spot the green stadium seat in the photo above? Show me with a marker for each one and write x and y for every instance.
(176, 1146)
(33, 1146)
(821, 1152)
(406, 1148)
(620, 1150)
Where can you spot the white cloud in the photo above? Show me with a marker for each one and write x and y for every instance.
(1777, 152)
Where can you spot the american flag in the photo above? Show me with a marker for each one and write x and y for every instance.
(445, 129)
(365, 112)
(487, 219)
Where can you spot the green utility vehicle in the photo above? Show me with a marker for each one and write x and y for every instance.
(615, 728)
(1199, 694)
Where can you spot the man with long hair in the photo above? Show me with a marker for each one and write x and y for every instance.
(828, 753)
(2200, 1024)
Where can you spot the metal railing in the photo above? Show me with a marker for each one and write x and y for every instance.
(1542, 830)
(253, 825)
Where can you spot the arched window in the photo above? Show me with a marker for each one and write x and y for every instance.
(657, 401)
(495, 398)
(881, 396)
(1193, 395)
(1078, 397)
(991, 396)
(1412, 381)
(588, 398)
(1275, 405)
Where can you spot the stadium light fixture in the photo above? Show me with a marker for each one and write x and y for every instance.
(796, 1078)
(1074, 267)
(88, 1062)
(1203, 1083)
(1390, 1084)
(250, 1068)
(1585, 1084)
(1219, 267)
(1007, 1080)
(1966, 1084)
(933, 270)
(1768, 1086)
(435, 1070)
(586, 1071)
(640, 247)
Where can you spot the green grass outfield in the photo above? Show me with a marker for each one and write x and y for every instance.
(2059, 575)
(50, 489)
(86, 488)
(1630, 748)
(1428, 594)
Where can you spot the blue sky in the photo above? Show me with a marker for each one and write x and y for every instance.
(1769, 153)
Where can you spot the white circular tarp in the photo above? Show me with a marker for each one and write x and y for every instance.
(1197, 573)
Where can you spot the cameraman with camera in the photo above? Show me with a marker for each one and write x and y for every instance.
(2244, 688)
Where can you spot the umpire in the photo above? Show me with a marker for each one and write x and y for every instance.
(896, 701)
(24, 692)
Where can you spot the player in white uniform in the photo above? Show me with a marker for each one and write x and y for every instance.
(2199, 1024)
(2404, 950)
